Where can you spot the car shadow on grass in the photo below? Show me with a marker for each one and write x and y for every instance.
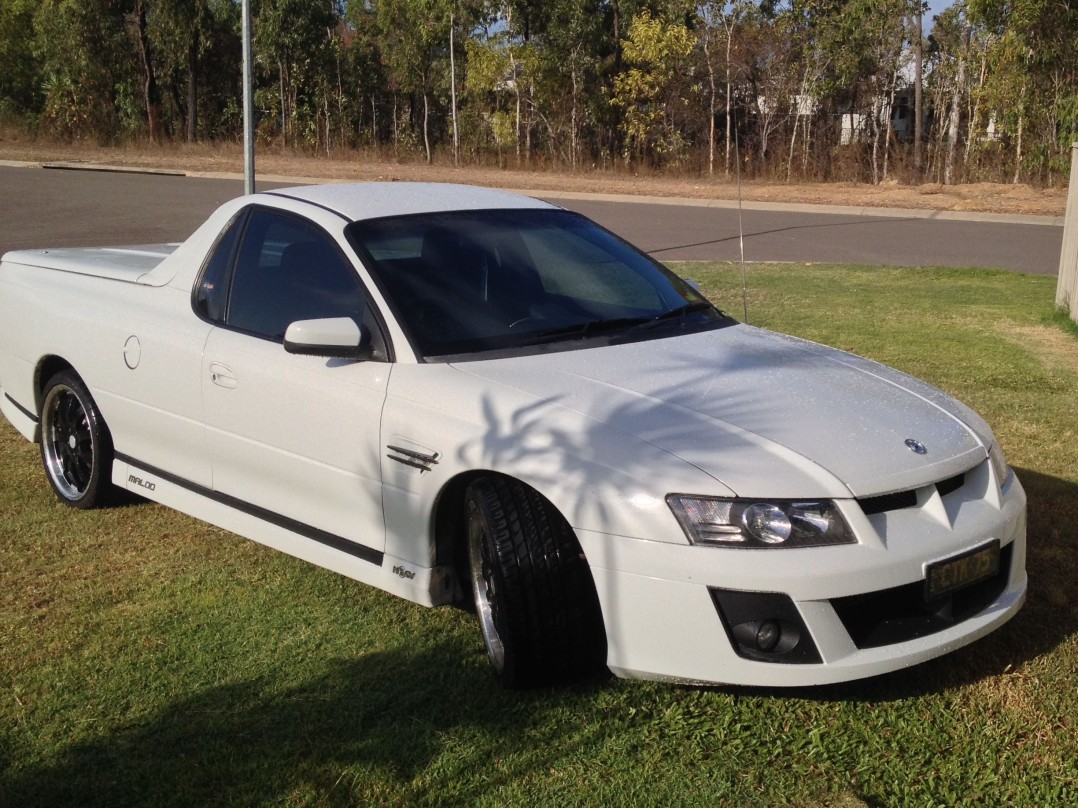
(380, 728)
(1047, 620)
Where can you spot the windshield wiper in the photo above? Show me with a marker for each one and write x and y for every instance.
(593, 328)
(587, 329)
(674, 314)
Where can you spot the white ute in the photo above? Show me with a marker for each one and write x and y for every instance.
(447, 392)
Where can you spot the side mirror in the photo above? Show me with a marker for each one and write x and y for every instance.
(334, 337)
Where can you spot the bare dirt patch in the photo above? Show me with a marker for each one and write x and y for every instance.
(359, 166)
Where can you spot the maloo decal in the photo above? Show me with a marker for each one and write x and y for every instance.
(141, 483)
(403, 573)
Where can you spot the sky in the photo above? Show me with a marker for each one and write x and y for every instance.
(935, 7)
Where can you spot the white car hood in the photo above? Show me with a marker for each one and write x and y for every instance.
(762, 413)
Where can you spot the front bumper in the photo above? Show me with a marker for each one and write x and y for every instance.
(664, 619)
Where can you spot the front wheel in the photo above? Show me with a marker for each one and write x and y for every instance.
(533, 590)
(76, 447)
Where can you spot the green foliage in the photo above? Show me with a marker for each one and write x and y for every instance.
(653, 88)
(1032, 85)
(583, 81)
(80, 47)
(18, 67)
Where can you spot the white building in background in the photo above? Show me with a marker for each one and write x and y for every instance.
(854, 126)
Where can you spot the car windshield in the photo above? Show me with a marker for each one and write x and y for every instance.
(520, 281)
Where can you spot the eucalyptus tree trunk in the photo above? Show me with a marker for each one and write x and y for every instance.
(284, 102)
(711, 106)
(975, 116)
(1018, 144)
(797, 119)
(192, 88)
(890, 128)
(875, 148)
(426, 127)
(150, 93)
(956, 109)
(528, 125)
(574, 75)
(918, 82)
(453, 91)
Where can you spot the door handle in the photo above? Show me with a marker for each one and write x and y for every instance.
(222, 375)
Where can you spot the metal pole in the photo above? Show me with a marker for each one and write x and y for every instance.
(1067, 283)
(248, 105)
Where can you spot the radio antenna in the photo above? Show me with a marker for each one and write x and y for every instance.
(741, 231)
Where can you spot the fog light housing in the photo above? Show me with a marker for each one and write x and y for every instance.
(765, 627)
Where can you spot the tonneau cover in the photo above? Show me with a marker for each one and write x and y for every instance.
(116, 263)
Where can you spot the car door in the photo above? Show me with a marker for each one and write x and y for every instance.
(292, 439)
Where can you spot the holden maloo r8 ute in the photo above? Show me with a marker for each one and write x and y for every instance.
(452, 393)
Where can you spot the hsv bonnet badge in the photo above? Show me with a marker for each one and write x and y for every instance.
(916, 446)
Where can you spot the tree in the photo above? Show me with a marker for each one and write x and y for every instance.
(716, 17)
(294, 38)
(654, 89)
(918, 83)
(86, 68)
(569, 79)
(415, 38)
(19, 66)
(151, 95)
(1032, 83)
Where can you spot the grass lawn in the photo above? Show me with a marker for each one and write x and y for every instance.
(148, 659)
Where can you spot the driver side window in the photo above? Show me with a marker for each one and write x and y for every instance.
(286, 270)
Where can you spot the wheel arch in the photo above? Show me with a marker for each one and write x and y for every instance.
(48, 367)
(449, 517)
(449, 523)
(532, 587)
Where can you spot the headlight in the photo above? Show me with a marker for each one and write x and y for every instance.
(759, 524)
(999, 463)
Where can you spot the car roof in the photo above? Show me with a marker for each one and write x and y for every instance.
(373, 200)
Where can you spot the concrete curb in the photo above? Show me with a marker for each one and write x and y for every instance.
(114, 169)
(804, 207)
(725, 204)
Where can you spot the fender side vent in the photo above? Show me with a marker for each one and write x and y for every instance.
(416, 460)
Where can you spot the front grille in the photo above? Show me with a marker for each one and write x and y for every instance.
(951, 484)
(907, 499)
(888, 502)
(900, 614)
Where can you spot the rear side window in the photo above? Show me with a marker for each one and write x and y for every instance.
(212, 290)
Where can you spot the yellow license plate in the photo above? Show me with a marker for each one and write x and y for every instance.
(950, 574)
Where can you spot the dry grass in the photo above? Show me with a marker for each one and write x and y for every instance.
(385, 166)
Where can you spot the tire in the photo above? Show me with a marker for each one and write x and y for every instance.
(76, 447)
(532, 588)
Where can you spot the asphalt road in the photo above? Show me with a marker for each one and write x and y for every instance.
(59, 208)
(694, 233)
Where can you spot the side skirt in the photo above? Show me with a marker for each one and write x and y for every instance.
(21, 418)
(397, 576)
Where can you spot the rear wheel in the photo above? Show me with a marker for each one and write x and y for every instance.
(76, 447)
(532, 587)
